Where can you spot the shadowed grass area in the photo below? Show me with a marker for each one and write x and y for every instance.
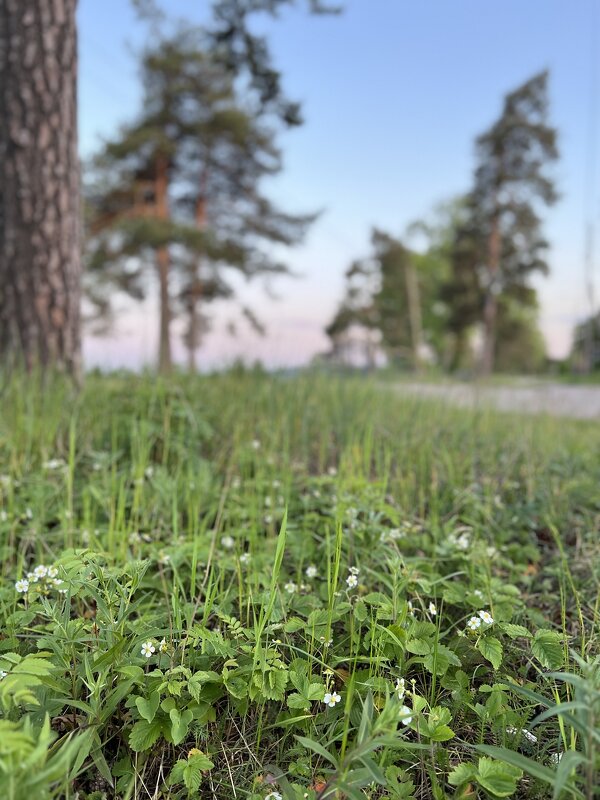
(255, 587)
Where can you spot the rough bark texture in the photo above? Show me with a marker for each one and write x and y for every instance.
(40, 227)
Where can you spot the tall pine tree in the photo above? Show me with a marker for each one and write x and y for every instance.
(511, 184)
(181, 188)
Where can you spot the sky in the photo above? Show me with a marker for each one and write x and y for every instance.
(394, 93)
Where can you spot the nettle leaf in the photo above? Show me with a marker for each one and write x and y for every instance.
(144, 734)
(498, 778)
(149, 707)
(491, 649)
(547, 648)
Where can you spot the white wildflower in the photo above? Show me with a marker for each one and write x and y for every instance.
(52, 572)
(311, 571)
(147, 649)
(291, 587)
(228, 542)
(331, 699)
(245, 558)
(486, 617)
(474, 623)
(40, 572)
(432, 609)
(162, 646)
(405, 715)
(325, 642)
(255, 444)
(352, 581)
(53, 463)
(400, 688)
(3, 674)
(274, 796)
(22, 586)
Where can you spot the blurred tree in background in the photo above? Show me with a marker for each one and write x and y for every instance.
(180, 190)
(511, 183)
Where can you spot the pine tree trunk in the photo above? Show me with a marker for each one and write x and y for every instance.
(40, 228)
(490, 309)
(196, 286)
(165, 362)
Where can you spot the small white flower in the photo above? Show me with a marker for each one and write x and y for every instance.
(245, 558)
(162, 646)
(134, 537)
(53, 463)
(163, 558)
(147, 649)
(3, 674)
(291, 587)
(228, 542)
(463, 542)
(486, 617)
(29, 513)
(311, 571)
(332, 471)
(400, 688)
(40, 572)
(411, 608)
(353, 570)
(52, 572)
(325, 642)
(331, 699)
(432, 609)
(478, 593)
(527, 734)
(473, 623)
(3, 516)
(352, 581)
(274, 796)
(256, 444)
(149, 472)
(405, 715)
(22, 586)
(268, 519)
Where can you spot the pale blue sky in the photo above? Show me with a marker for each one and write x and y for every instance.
(394, 93)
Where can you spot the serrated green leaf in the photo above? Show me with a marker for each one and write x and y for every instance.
(546, 646)
(491, 649)
(144, 734)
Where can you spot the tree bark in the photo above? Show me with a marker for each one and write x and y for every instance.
(165, 362)
(40, 226)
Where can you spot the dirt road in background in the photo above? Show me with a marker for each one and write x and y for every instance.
(578, 402)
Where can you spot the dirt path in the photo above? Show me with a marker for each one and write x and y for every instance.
(578, 402)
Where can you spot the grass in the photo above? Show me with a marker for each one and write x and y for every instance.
(227, 552)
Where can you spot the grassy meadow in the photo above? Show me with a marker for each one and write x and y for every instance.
(251, 587)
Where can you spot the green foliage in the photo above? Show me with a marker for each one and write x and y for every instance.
(299, 586)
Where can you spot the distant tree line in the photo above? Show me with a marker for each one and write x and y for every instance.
(473, 277)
